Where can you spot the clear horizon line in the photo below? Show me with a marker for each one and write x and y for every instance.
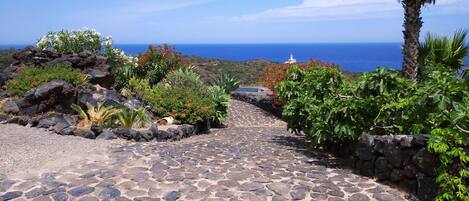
(270, 43)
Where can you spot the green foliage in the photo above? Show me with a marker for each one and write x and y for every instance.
(122, 76)
(139, 87)
(182, 79)
(439, 53)
(318, 103)
(451, 143)
(331, 110)
(101, 115)
(183, 104)
(128, 118)
(74, 41)
(32, 77)
(221, 100)
(227, 82)
(157, 62)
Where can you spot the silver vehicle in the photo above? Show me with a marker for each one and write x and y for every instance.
(253, 91)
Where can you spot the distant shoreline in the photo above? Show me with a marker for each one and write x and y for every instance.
(352, 57)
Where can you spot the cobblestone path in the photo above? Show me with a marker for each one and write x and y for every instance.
(255, 158)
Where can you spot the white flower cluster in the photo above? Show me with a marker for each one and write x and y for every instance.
(78, 40)
(118, 54)
(72, 41)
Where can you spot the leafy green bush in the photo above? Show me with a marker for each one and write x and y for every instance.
(221, 100)
(32, 77)
(318, 102)
(227, 82)
(123, 75)
(331, 110)
(182, 78)
(182, 104)
(157, 62)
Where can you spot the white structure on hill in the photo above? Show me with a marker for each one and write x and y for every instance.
(291, 60)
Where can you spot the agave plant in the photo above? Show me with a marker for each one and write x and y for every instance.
(221, 99)
(443, 52)
(128, 118)
(227, 82)
(101, 115)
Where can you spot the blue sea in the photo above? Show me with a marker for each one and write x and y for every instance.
(354, 57)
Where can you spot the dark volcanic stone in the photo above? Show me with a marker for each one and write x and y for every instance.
(60, 197)
(95, 94)
(109, 193)
(80, 191)
(10, 107)
(67, 131)
(85, 133)
(125, 133)
(381, 168)
(5, 76)
(393, 155)
(11, 195)
(46, 97)
(366, 168)
(6, 184)
(359, 197)
(425, 161)
(107, 135)
(172, 196)
(364, 149)
(99, 76)
(427, 188)
(46, 123)
(21, 120)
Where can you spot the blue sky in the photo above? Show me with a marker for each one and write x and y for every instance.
(225, 21)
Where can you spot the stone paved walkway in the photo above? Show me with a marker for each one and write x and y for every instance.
(255, 158)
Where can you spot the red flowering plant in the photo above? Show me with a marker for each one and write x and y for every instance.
(158, 61)
(276, 73)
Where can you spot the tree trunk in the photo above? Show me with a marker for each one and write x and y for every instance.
(412, 25)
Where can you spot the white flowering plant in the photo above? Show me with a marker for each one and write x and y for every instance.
(73, 41)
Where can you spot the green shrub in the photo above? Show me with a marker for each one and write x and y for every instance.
(32, 77)
(182, 104)
(221, 100)
(451, 143)
(157, 62)
(318, 103)
(330, 110)
(183, 79)
(123, 75)
(376, 89)
(139, 87)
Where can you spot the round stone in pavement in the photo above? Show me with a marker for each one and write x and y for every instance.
(172, 196)
(109, 193)
(358, 197)
(60, 197)
(80, 191)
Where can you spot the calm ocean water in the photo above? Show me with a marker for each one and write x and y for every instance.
(355, 57)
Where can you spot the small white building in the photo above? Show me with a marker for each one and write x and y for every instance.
(291, 60)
